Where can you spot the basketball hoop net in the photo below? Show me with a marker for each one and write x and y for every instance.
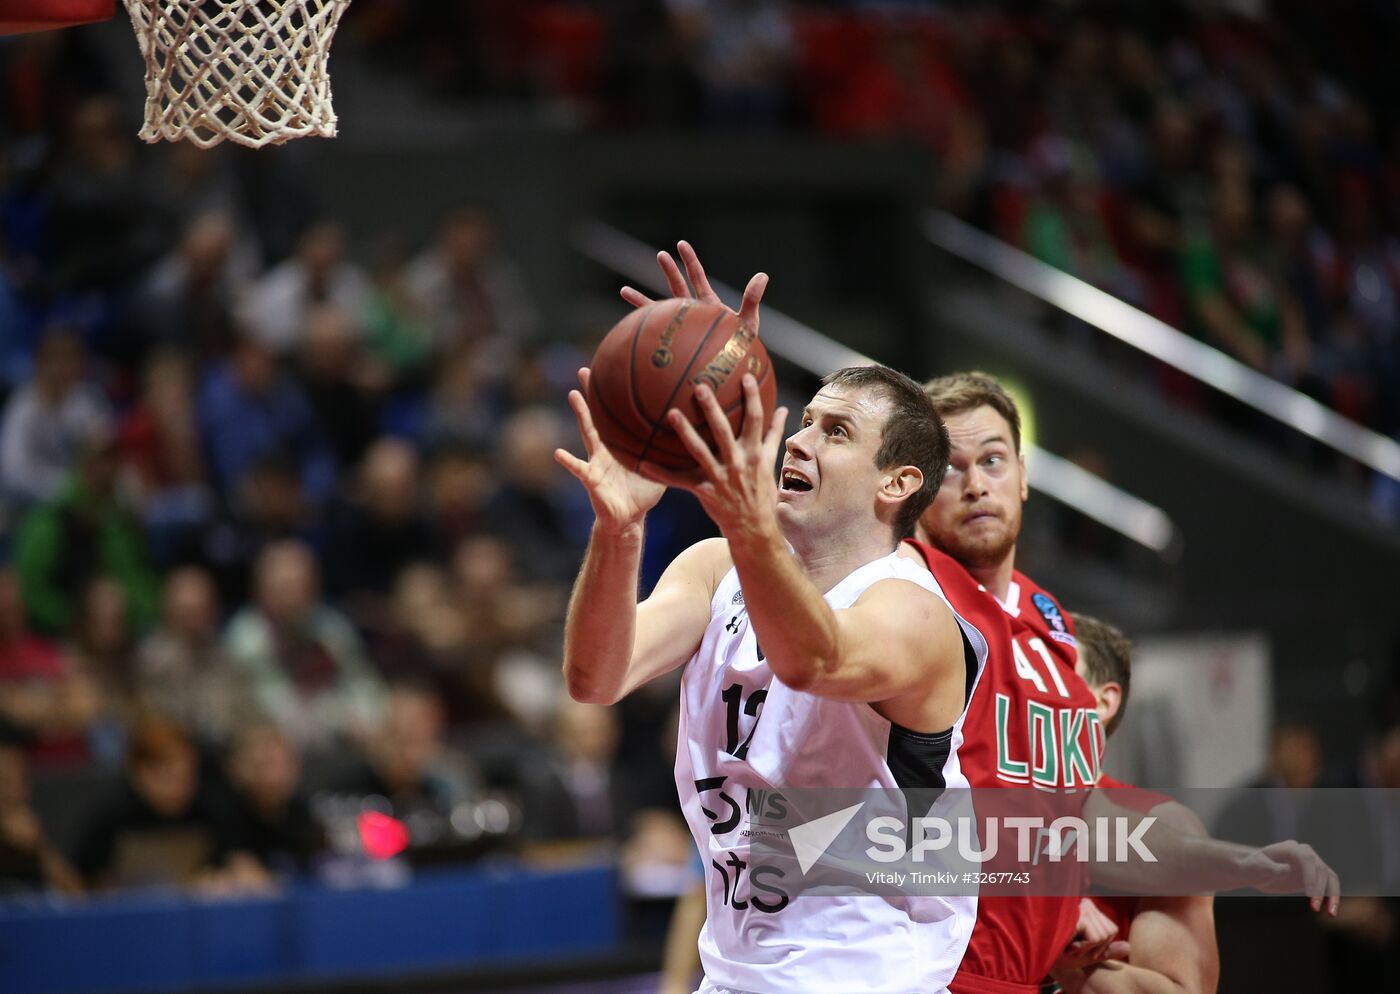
(253, 72)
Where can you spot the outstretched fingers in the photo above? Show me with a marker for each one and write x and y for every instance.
(753, 296)
(696, 272)
(720, 428)
(773, 440)
(751, 431)
(674, 280)
(571, 462)
(695, 445)
(634, 297)
(586, 428)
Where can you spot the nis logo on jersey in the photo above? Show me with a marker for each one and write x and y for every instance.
(1046, 745)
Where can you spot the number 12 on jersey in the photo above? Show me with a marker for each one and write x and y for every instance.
(733, 699)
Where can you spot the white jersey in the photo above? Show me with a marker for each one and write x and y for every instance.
(742, 730)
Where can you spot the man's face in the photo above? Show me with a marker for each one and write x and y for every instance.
(976, 515)
(266, 768)
(829, 473)
(167, 783)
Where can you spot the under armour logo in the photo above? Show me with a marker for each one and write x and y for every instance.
(733, 627)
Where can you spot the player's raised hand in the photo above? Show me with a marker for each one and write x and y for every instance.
(620, 497)
(735, 481)
(703, 292)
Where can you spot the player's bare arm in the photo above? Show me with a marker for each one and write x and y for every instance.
(1201, 864)
(1173, 951)
(612, 644)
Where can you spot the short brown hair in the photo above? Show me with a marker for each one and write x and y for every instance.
(155, 738)
(913, 435)
(1108, 658)
(957, 393)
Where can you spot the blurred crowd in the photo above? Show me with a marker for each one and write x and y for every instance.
(1232, 168)
(284, 550)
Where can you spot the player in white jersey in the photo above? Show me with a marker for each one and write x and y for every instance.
(863, 686)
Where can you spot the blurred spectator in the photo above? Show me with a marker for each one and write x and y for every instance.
(188, 298)
(499, 609)
(103, 647)
(43, 695)
(1299, 254)
(459, 487)
(408, 762)
(194, 182)
(182, 671)
(161, 449)
(537, 509)
(50, 421)
(250, 411)
(43, 76)
(163, 826)
(1240, 306)
(342, 384)
(102, 220)
(305, 663)
(1363, 280)
(28, 860)
(396, 332)
(1260, 817)
(272, 822)
(741, 51)
(87, 532)
(276, 308)
(1363, 953)
(267, 505)
(1068, 226)
(424, 639)
(461, 408)
(572, 791)
(468, 293)
(382, 529)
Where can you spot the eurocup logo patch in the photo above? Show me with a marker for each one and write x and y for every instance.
(1050, 611)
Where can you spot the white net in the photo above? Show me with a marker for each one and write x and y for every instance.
(253, 72)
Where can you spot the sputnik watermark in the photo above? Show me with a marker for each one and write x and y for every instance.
(1112, 840)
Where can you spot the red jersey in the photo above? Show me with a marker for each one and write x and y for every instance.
(1120, 908)
(1031, 722)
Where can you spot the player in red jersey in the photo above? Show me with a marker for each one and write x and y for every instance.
(1172, 947)
(1032, 720)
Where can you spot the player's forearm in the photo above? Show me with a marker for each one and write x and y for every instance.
(1181, 863)
(681, 961)
(600, 627)
(795, 627)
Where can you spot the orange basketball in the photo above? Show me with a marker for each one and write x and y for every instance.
(653, 359)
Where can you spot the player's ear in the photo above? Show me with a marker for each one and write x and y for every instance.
(1110, 697)
(901, 482)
